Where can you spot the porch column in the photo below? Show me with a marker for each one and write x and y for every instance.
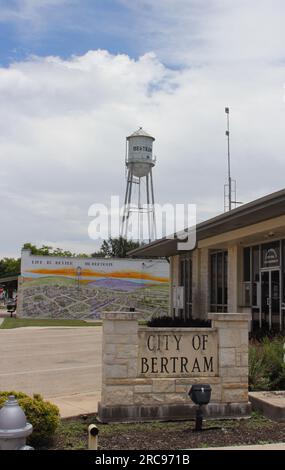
(204, 280)
(196, 294)
(234, 276)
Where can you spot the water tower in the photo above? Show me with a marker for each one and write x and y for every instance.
(139, 196)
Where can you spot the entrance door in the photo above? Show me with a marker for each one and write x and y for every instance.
(270, 297)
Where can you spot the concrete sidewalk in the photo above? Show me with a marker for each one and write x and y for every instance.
(271, 404)
(278, 446)
(71, 406)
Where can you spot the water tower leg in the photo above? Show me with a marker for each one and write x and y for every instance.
(139, 209)
(130, 182)
(153, 211)
(125, 206)
(148, 207)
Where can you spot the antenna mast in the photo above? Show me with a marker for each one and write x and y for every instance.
(230, 191)
(227, 111)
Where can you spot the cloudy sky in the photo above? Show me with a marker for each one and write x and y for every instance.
(77, 76)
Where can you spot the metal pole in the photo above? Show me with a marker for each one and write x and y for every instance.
(125, 205)
(153, 211)
(148, 207)
(227, 111)
(93, 432)
(139, 207)
(199, 419)
(129, 202)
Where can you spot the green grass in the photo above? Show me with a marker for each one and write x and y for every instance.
(9, 323)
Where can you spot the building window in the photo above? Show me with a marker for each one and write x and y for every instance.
(246, 265)
(186, 283)
(283, 286)
(219, 281)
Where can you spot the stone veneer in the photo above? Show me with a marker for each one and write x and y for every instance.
(128, 397)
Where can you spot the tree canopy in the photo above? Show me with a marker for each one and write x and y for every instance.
(10, 267)
(115, 248)
(46, 250)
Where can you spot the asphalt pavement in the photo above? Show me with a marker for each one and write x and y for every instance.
(62, 364)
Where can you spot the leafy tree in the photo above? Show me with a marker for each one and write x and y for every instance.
(61, 252)
(10, 266)
(115, 248)
(45, 250)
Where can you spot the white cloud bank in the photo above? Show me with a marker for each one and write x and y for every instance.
(63, 123)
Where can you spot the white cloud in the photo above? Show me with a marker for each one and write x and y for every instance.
(27, 10)
(63, 122)
(211, 31)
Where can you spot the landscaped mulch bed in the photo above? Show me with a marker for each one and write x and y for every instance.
(72, 434)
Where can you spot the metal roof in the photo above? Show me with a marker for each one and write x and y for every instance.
(259, 210)
(140, 133)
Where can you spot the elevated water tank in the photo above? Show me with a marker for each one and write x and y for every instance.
(140, 158)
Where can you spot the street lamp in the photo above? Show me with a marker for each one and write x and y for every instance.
(78, 274)
(200, 394)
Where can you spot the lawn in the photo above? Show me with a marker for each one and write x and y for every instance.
(72, 434)
(9, 323)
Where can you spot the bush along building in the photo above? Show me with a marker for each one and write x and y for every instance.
(238, 265)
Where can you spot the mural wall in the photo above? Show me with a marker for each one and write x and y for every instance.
(57, 287)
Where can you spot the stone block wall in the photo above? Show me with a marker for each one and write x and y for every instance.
(233, 355)
(126, 396)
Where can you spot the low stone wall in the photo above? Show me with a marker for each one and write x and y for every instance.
(148, 372)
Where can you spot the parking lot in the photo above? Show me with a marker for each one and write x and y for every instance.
(60, 363)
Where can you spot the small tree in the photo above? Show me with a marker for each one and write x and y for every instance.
(10, 266)
(116, 248)
(46, 250)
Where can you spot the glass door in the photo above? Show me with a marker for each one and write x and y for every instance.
(270, 297)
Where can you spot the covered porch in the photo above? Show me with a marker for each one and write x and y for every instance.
(238, 264)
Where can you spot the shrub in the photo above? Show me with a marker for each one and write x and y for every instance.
(266, 364)
(176, 322)
(260, 333)
(43, 415)
(256, 374)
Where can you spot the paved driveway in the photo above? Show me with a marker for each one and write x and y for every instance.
(59, 363)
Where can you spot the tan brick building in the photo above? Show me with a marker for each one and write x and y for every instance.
(238, 264)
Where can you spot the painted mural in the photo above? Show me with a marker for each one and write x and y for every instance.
(57, 287)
